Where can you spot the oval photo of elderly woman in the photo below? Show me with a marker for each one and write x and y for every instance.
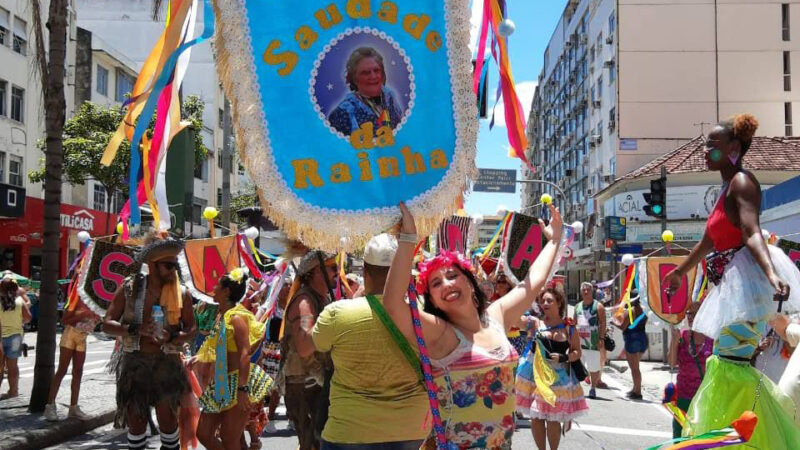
(363, 78)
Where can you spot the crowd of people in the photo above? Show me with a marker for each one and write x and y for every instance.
(360, 366)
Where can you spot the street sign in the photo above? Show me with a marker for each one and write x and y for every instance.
(496, 180)
(615, 228)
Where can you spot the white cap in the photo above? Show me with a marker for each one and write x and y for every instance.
(380, 250)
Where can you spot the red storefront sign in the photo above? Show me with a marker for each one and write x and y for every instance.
(27, 232)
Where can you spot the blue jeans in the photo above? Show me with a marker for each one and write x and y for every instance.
(12, 346)
(399, 445)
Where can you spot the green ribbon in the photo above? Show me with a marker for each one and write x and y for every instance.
(397, 336)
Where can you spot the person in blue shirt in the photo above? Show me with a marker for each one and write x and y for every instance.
(369, 100)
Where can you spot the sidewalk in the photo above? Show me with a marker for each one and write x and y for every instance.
(21, 430)
(655, 376)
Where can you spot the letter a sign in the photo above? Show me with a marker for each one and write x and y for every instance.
(521, 246)
(344, 108)
(204, 261)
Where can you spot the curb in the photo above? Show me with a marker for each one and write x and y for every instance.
(619, 367)
(56, 433)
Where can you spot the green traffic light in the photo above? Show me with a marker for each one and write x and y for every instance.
(656, 209)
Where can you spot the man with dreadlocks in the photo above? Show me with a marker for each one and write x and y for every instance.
(150, 372)
(304, 369)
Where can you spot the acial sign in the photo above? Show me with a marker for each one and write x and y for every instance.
(683, 202)
(345, 108)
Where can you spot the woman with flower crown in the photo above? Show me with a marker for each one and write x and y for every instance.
(237, 384)
(466, 338)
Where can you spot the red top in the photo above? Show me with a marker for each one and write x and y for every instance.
(722, 232)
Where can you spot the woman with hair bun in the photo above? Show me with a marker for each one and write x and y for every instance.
(746, 276)
(237, 384)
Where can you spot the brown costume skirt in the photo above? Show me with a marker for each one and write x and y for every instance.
(145, 380)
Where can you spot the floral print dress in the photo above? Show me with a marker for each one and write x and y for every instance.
(476, 393)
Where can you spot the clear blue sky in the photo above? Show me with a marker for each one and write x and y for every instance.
(535, 21)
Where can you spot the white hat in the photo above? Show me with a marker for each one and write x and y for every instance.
(380, 250)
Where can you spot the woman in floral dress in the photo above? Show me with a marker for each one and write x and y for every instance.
(472, 358)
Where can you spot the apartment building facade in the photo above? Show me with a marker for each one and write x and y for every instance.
(626, 81)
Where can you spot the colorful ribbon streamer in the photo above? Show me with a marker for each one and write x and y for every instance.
(427, 373)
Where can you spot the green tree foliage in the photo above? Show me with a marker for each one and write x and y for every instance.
(86, 135)
(245, 198)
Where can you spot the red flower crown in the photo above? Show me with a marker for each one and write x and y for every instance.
(444, 259)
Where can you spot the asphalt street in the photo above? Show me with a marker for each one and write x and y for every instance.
(612, 422)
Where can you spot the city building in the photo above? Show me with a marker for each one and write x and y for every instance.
(625, 81)
(485, 230)
(692, 193)
(133, 32)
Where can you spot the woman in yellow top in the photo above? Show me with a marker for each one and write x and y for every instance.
(237, 384)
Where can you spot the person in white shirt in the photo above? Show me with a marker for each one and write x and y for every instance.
(790, 380)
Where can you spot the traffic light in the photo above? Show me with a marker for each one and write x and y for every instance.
(657, 198)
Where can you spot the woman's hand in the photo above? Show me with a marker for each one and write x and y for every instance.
(672, 281)
(243, 402)
(781, 287)
(407, 225)
(553, 230)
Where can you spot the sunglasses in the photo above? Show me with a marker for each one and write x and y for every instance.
(169, 265)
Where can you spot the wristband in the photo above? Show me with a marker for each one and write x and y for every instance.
(562, 358)
(172, 335)
(133, 328)
(410, 238)
(245, 388)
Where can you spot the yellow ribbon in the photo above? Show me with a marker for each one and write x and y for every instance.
(543, 375)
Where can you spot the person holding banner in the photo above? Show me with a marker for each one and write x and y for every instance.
(746, 274)
(238, 384)
(590, 315)
(152, 314)
(472, 358)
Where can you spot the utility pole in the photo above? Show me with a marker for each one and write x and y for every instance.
(227, 161)
(664, 334)
(664, 216)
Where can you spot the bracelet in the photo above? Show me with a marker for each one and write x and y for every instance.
(245, 388)
(410, 238)
(562, 358)
(133, 328)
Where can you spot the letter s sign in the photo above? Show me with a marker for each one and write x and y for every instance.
(106, 273)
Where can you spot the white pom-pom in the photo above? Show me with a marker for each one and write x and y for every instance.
(627, 259)
(477, 218)
(506, 28)
(280, 263)
(84, 236)
(765, 234)
(577, 226)
(501, 210)
(251, 233)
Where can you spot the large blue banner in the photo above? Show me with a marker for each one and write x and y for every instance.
(344, 108)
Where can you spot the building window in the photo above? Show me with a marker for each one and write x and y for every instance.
(612, 24)
(197, 217)
(119, 202)
(17, 103)
(600, 87)
(221, 118)
(15, 171)
(5, 21)
(787, 72)
(102, 80)
(787, 115)
(2, 167)
(3, 96)
(99, 197)
(124, 85)
(785, 21)
(219, 197)
(20, 43)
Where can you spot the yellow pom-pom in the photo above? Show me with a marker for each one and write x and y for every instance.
(546, 199)
(667, 236)
(119, 228)
(210, 213)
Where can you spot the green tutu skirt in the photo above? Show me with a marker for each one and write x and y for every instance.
(730, 388)
(260, 384)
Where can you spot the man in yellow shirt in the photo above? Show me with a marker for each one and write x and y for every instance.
(377, 400)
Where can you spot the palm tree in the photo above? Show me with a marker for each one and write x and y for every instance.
(52, 72)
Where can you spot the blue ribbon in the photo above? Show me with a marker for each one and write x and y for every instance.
(222, 393)
(636, 322)
(152, 100)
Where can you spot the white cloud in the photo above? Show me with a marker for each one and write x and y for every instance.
(475, 25)
(525, 90)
